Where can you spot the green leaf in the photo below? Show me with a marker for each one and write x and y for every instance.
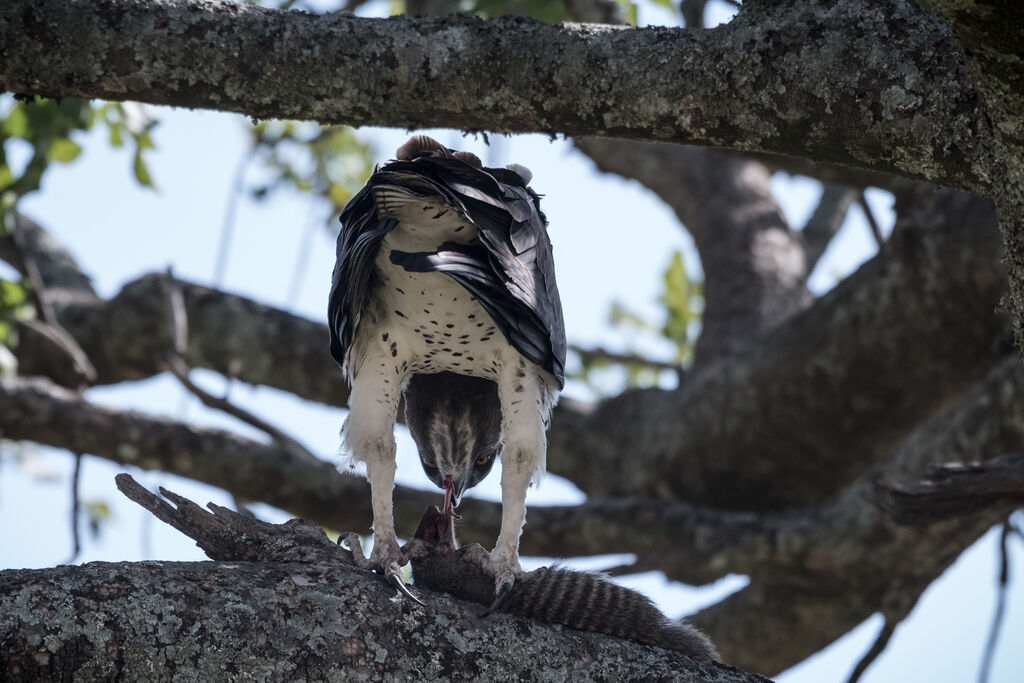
(619, 314)
(629, 10)
(116, 139)
(667, 4)
(141, 172)
(64, 150)
(6, 177)
(16, 124)
(679, 299)
(12, 294)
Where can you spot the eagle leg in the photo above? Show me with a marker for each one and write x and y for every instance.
(369, 436)
(523, 454)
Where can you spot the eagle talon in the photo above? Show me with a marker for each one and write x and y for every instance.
(499, 597)
(390, 568)
(398, 583)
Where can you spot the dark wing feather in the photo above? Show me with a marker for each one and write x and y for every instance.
(510, 271)
(511, 227)
(358, 242)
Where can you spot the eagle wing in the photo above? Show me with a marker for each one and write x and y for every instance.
(509, 268)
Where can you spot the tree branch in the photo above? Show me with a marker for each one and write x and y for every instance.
(849, 560)
(280, 584)
(825, 222)
(754, 266)
(517, 75)
(957, 489)
(892, 357)
(296, 620)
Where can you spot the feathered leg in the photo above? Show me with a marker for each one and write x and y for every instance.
(524, 409)
(369, 437)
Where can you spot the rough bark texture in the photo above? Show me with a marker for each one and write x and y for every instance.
(877, 85)
(211, 621)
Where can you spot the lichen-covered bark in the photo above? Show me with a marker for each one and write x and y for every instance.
(877, 85)
(990, 35)
(215, 621)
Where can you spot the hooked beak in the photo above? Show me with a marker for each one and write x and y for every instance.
(452, 496)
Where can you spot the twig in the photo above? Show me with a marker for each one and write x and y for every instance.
(876, 649)
(63, 340)
(227, 230)
(174, 362)
(177, 367)
(622, 358)
(997, 618)
(228, 536)
(826, 220)
(49, 325)
(875, 230)
(693, 13)
(179, 314)
(302, 259)
(76, 541)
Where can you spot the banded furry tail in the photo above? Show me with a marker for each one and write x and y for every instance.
(580, 600)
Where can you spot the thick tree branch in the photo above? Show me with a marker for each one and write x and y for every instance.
(891, 344)
(285, 598)
(783, 65)
(292, 620)
(849, 560)
(754, 266)
(990, 38)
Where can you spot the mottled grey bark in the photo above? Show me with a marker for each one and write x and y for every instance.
(847, 559)
(990, 37)
(808, 79)
(287, 621)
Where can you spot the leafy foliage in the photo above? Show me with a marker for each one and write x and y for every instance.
(328, 161)
(683, 300)
(13, 300)
(47, 127)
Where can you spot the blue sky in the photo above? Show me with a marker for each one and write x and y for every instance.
(119, 231)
